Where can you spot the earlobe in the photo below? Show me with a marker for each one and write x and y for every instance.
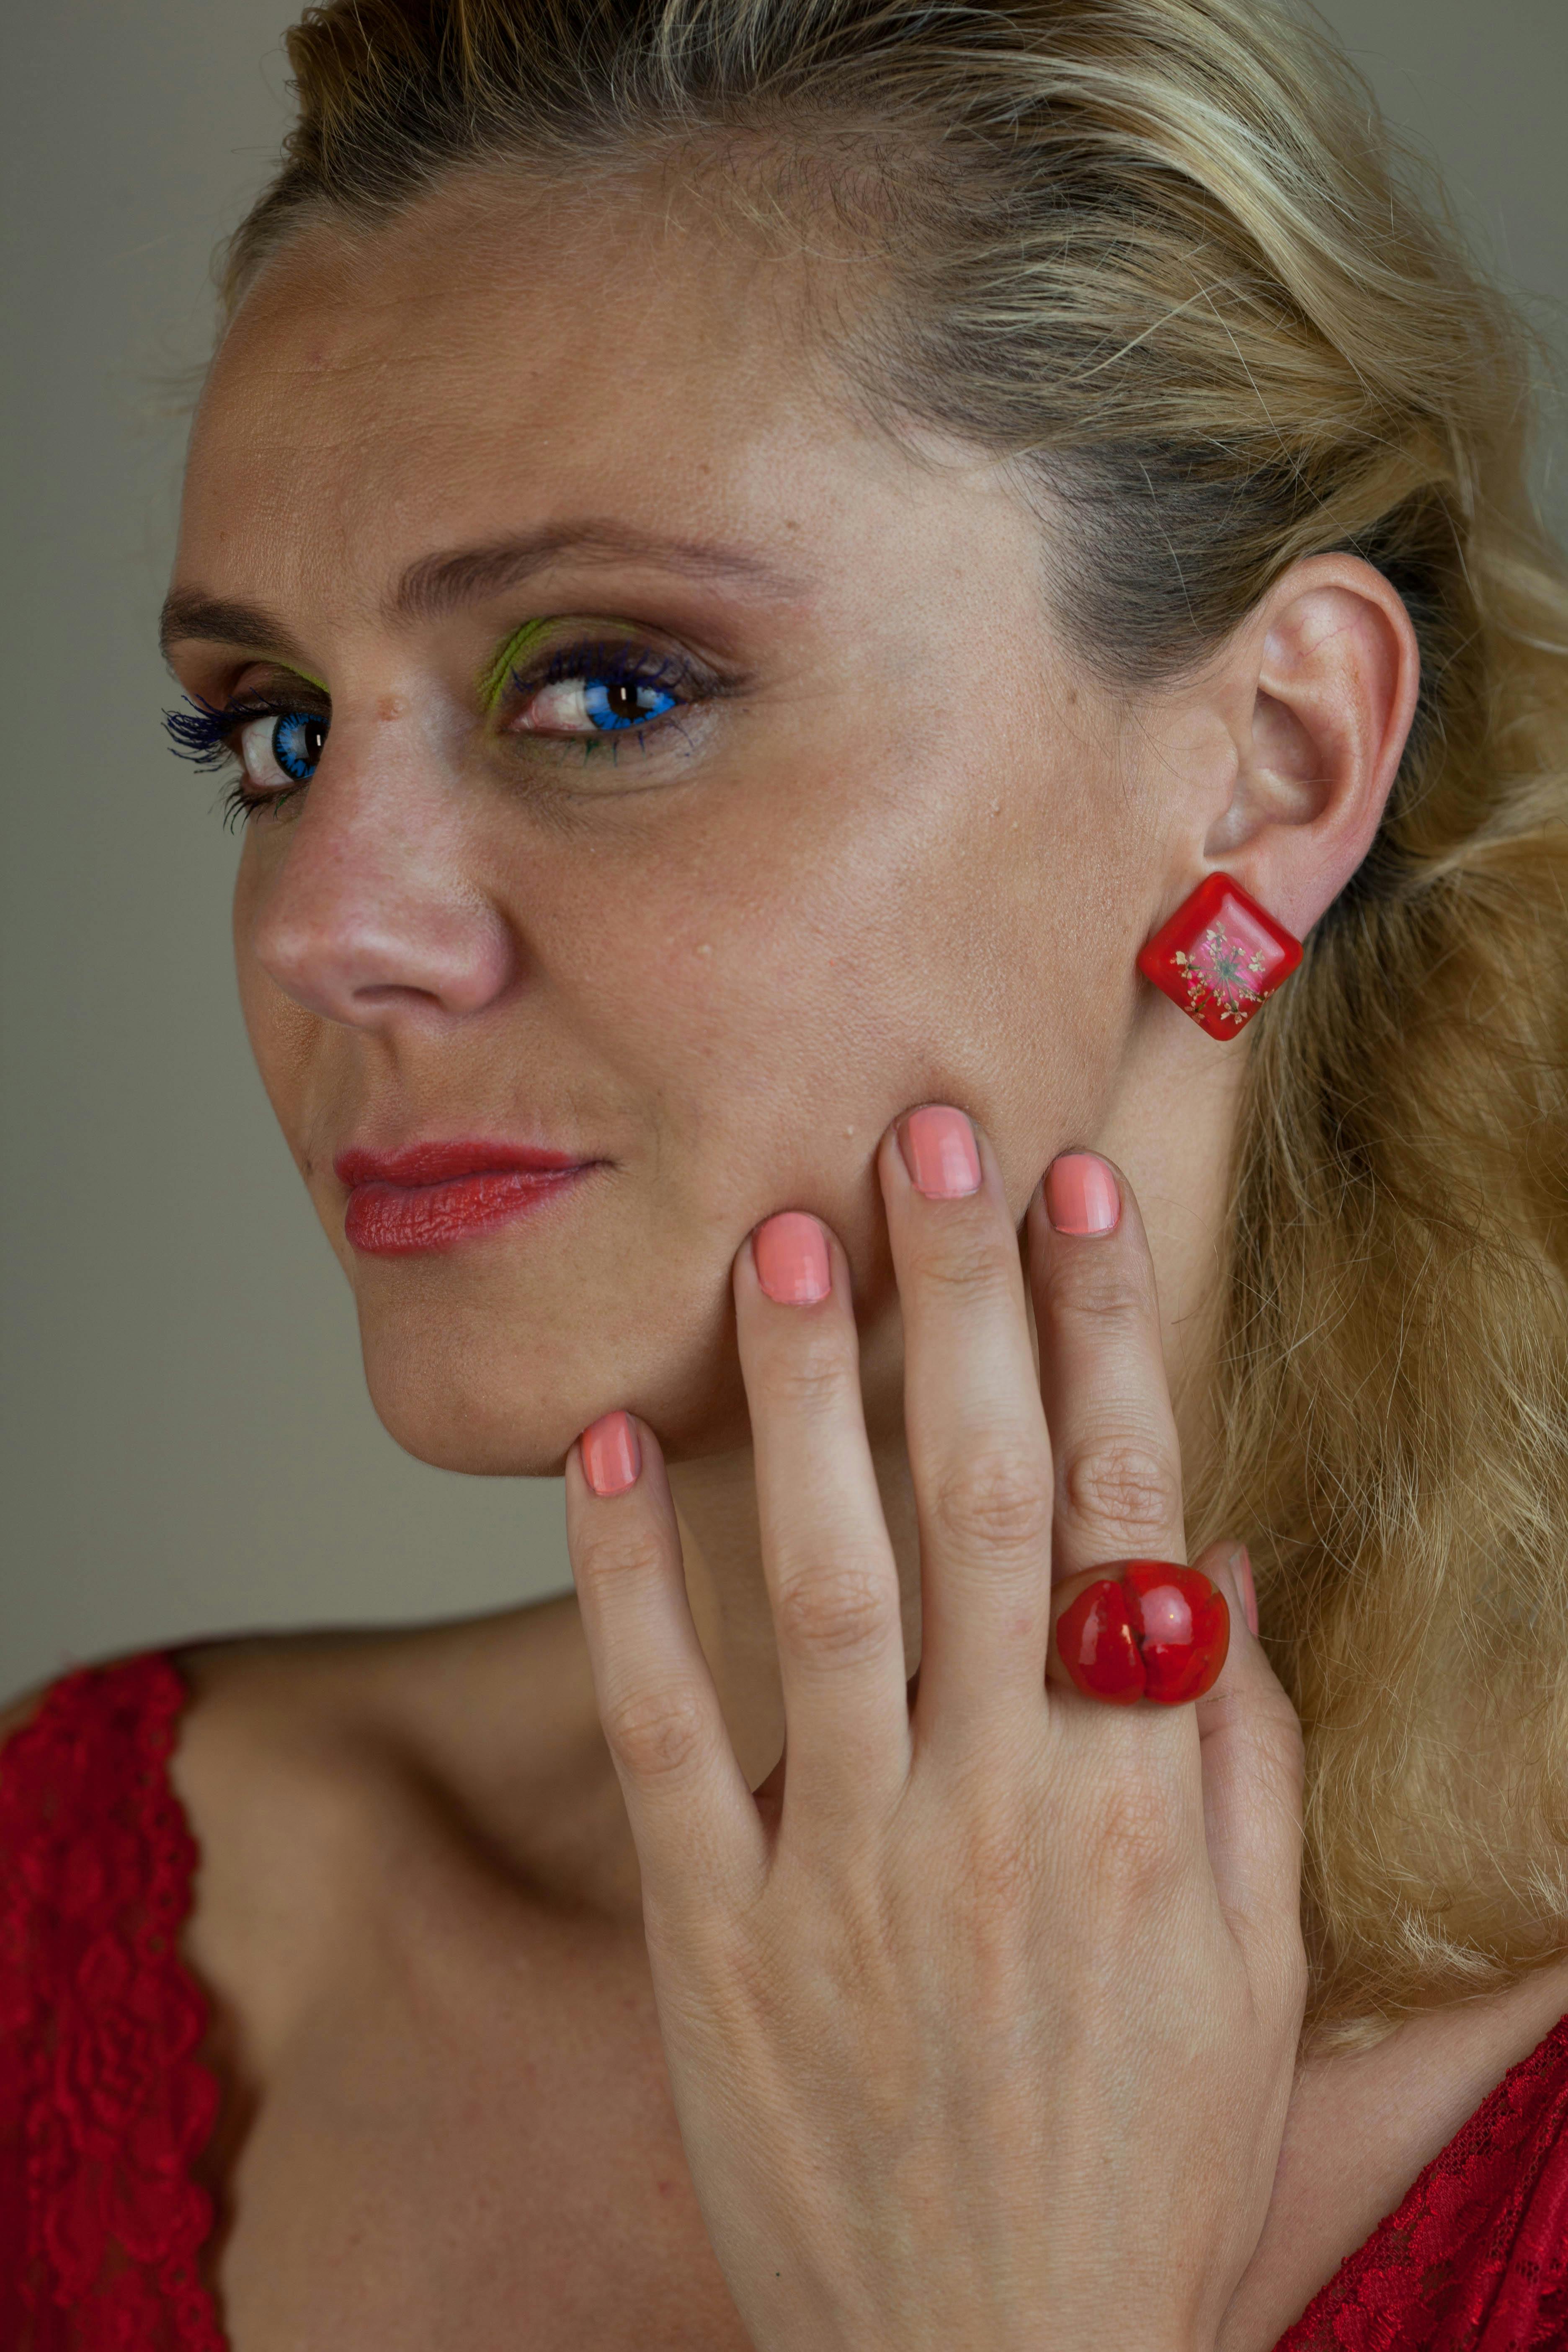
(1324, 689)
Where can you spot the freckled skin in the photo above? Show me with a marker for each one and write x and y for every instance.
(879, 872)
(909, 856)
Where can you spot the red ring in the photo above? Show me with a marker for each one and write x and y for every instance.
(1145, 1629)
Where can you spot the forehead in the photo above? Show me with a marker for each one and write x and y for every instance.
(607, 352)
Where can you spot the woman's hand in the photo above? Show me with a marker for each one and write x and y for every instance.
(982, 2037)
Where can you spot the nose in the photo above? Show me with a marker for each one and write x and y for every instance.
(374, 915)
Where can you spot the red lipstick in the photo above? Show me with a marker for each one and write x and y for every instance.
(429, 1196)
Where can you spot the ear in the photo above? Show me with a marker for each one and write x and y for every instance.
(1316, 691)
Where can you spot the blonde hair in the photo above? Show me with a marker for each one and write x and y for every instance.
(1155, 252)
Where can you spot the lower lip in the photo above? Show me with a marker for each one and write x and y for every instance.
(408, 1220)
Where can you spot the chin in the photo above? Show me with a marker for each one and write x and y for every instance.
(457, 1411)
(497, 1400)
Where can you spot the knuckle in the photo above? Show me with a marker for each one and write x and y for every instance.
(1295, 1980)
(1269, 1731)
(835, 1611)
(656, 1734)
(1123, 1483)
(1100, 1287)
(630, 1555)
(969, 1256)
(812, 1373)
(996, 1499)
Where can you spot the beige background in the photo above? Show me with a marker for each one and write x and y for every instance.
(187, 1442)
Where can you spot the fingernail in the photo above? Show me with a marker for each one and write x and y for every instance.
(1241, 1567)
(790, 1254)
(940, 1154)
(1082, 1195)
(612, 1457)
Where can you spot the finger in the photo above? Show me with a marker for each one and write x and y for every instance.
(1250, 1748)
(832, 1578)
(1102, 1371)
(691, 1813)
(979, 1456)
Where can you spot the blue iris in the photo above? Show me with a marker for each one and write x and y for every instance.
(298, 739)
(625, 703)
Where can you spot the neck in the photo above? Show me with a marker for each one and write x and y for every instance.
(1170, 1127)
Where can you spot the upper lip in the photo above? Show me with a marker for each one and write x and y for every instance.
(440, 1162)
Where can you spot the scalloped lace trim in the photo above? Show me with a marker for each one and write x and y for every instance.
(1476, 2255)
(104, 2106)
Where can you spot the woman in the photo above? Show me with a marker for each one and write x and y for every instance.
(763, 569)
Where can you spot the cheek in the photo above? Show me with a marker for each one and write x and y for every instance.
(255, 990)
(283, 1035)
(842, 945)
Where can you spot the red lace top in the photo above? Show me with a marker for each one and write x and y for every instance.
(105, 2107)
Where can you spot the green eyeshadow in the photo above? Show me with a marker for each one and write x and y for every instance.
(495, 677)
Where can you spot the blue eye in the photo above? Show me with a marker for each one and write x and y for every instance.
(586, 705)
(288, 747)
(625, 702)
(278, 749)
(299, 740)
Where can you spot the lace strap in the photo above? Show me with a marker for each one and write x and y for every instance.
(104, 2105)
(1476, 2257)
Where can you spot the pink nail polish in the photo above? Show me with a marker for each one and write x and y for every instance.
(939, 1153)
(612, 1458)
(790, 1254)
(1081, 1194)
(1242, 1564)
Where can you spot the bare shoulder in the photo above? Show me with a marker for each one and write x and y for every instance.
(323, 1772)
(1363, 2124)
(337, 1698)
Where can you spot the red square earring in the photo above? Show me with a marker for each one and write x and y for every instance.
(1219, 956)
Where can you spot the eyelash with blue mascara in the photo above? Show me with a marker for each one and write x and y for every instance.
(606, 667)
(202, 734)
(610, 664)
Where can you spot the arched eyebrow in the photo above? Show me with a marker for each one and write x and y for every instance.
(436, 585)
(189, 617)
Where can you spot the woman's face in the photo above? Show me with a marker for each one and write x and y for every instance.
(705, 784)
